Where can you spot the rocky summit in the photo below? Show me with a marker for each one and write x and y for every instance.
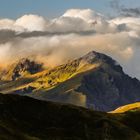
(20, 69)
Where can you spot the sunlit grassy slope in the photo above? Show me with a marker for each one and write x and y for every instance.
(46, 79)
(128, 107)
(60, 74)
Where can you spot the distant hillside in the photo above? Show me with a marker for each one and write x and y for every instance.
(94, 81)
(126, 108)
(24, 118)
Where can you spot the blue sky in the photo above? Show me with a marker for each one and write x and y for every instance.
(53, 8)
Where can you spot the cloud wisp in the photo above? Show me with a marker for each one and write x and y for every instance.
(123, 10)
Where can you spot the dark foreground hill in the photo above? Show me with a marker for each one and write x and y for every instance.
(24, 118)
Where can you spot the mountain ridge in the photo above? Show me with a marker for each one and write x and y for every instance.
(94, 80)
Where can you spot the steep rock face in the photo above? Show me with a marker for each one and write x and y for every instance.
(107, 90)
(104, 88)
(20, 69)
(108, 86)
(25, 65)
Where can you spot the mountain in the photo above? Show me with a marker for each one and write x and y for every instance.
(97, 81)
(25, 118)
(93, 81)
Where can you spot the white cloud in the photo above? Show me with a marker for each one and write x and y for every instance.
(126, 20)
(9, 24)
(32, 23)
(6, 23)
(74, 20)
(69, 24)
(85, 14)
(86, 19)
(25, 23)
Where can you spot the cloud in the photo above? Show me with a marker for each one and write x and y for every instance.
(124, 11)
(85, 14)
(85, 20)
(70, 36)
(58, 49)
(24, 23)
(74, 20)
(130, 12)
(8, 24)
(31, 23)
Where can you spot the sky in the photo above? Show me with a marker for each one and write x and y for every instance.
(54, 8)
(56, 31)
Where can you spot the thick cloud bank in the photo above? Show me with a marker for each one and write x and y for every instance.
(69, 36)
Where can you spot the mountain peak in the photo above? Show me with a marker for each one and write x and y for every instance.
(96, 57)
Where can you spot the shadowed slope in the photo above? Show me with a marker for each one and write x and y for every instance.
(25, 118)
